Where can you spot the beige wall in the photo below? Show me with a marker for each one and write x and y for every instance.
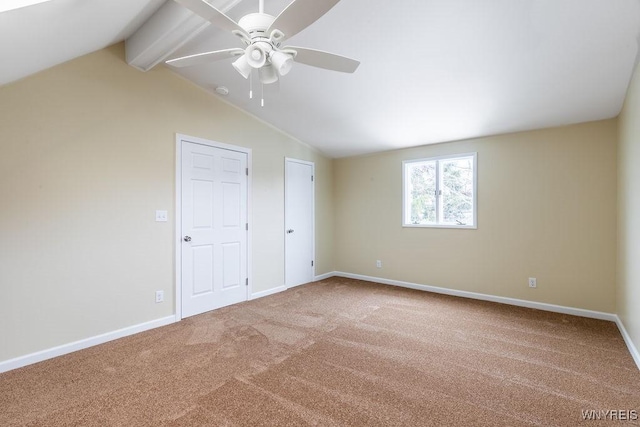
(88, 155)
(629, 212)
(546, 209)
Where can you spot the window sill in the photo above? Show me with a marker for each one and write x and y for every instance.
(461, 227)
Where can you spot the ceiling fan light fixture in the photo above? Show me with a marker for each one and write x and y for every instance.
(242, 66)
(282, 62)
(256, 56)
(268, 75)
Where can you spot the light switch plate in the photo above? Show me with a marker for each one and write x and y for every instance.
(161, 216)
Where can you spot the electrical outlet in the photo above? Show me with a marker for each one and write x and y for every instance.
(379, 264)
(159, 296)
(533, 283)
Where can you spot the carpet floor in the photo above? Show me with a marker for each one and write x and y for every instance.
(340, 352)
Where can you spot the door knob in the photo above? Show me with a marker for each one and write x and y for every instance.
(289, 231)
(187, 238)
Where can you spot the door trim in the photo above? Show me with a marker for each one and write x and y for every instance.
(180, 138)
(313, 215)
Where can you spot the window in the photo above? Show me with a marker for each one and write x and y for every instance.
(440, 192)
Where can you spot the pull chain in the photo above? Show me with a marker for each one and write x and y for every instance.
(250, 85)
(262, 95)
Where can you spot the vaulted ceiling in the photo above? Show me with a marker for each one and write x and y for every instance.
(432, 70)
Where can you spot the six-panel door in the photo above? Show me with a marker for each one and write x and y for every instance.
(214, 221)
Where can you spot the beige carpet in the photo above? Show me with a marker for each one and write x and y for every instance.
(339, 352)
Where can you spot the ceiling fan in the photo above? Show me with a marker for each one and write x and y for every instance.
(263, 35)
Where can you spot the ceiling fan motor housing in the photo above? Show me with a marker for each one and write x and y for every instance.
(256, 24)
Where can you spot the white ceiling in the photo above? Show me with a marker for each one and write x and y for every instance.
(39, 36)
(432, 70)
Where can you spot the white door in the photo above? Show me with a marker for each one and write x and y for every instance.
(299, 227)
(214, 228)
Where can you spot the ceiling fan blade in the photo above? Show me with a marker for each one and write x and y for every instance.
(213, 15)
(299, 15)
(201, 58)
(326, 60)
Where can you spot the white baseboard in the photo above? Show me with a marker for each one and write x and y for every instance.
(60, 350)
(266, 293)
(485, 297)
(40, 356)
(627, 339)
(324, 276)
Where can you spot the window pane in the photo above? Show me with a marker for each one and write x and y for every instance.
(457, 191)
(421, 192)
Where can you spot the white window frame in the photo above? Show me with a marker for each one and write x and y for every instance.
(406, 200)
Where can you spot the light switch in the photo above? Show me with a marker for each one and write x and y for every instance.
(161, 216)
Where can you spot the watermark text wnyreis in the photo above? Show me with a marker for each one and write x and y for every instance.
(610, 415)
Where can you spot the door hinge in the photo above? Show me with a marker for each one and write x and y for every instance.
(247, 226)
(311, 178)
(311, 263)
(246, 282)
(247, 170)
